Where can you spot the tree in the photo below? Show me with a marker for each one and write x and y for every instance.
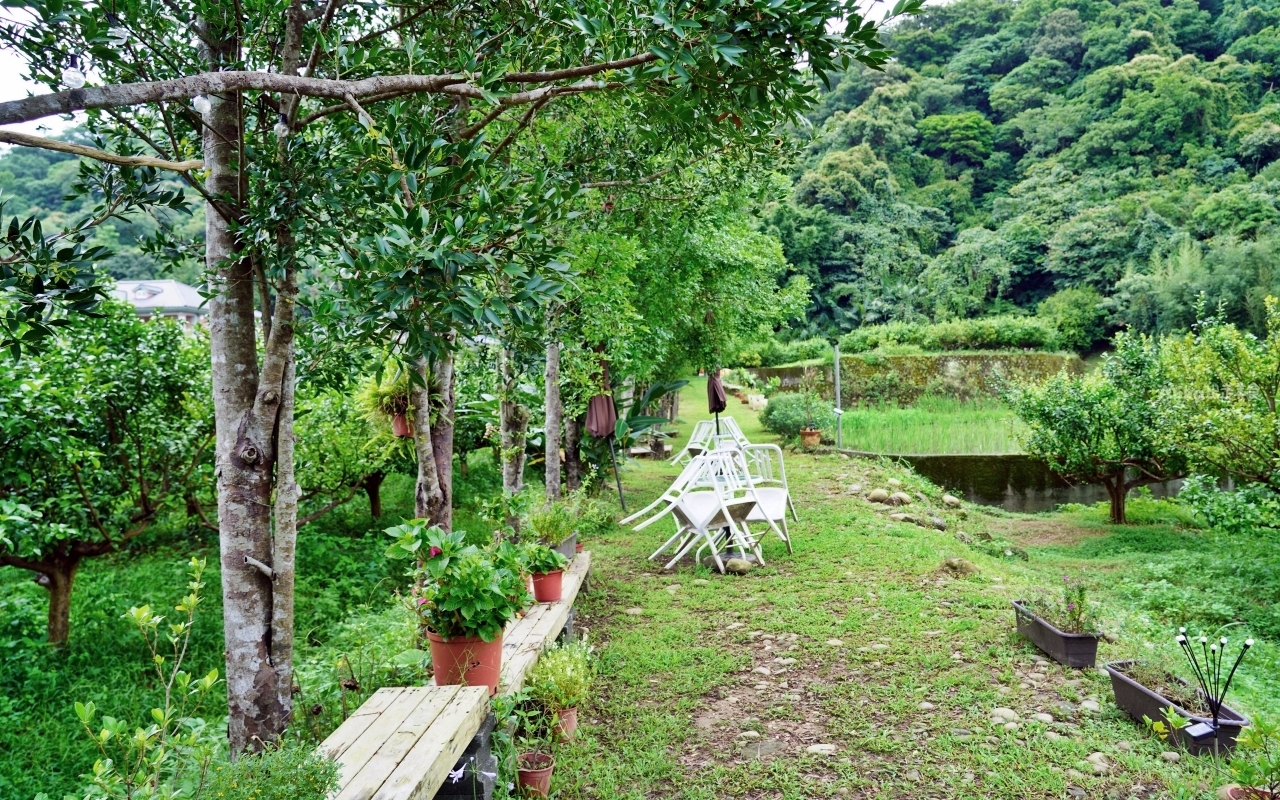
(287, 135)
(1221, 407)
(100, 435)
(1104, 427)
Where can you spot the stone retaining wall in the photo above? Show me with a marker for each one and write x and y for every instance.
(903, 379)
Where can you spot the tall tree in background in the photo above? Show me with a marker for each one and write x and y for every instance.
(282, 99)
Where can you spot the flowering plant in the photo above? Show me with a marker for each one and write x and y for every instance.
(562, 677)
(1072, 612)
(462, 591)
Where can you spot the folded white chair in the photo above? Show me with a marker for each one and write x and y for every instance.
(667, 500)
(698, 437)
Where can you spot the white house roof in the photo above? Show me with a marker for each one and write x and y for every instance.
(167, 295)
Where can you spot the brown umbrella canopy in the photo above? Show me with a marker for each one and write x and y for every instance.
(602, 417)
(715, 394)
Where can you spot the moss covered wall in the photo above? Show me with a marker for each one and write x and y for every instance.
(873, 378)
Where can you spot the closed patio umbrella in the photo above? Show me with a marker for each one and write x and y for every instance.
(716, 401)
(602, 421)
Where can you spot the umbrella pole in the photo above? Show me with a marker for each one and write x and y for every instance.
(717, 423)
(617, 476)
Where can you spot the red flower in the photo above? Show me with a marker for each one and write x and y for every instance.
(435, 551)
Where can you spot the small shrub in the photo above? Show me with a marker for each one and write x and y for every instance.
(562, 677)
(1251, 508)
(1256, 760)
(289, 771)
(787, 414)
(1003, 332)
(552, 524)
(1077, 316)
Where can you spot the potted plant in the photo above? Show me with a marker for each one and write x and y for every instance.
(810, 436)
(1255, 765)
(1193, 716)
(547, 568)
(560, 681)
(534, 766)
(463, 597)
(1066, 629)
(389, 398)
(555, 526)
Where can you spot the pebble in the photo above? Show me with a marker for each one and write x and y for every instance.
(732, 626)
(1011, 726)
(1045, 718)
(762, 671)
(834, 643)
(749, 735)
(673, 588)
(1125, 746)
(737, 566)
(705, 582)
(1006, 714)
(894, 482)
(635, 612)
(1171, 756)
(991, 740)
(964, 537)
(879, 647)
(951, 500)
(822, 749)
(927, 706)
(913, 775)
(1090, 705)
(1076, 791)
(1075, 773)
(899, 499)
(1052, 736)
(878, 495)
(962, 734)
(786, 662)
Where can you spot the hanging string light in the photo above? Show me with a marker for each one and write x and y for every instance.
(117, 36)
(72, 77)
(282, 127)
(201, 104)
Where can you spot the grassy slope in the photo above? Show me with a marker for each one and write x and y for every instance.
(678, 687)
(934, 426)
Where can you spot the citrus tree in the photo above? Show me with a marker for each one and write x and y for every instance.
(101, 433)
(1104, 427)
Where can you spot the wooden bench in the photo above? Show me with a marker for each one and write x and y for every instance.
(403, 743)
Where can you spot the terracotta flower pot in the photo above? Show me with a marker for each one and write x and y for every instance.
(400, 427)
(548, 586)
(810, 438)
(468, 660)
(533, 771)
(567, 722)
(577, 548)
(1234, 792)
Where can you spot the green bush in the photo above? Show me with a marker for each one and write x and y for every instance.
(788, 413)
(1006, 332)
(771, 353)
(291, 771)
(1077, 315)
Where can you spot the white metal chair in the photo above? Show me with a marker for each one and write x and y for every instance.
(769, 477)
(702, 431)
(668, 498)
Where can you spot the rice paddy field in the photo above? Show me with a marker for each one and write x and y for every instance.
(934, 426)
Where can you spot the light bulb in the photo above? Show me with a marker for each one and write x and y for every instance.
(1248, 643)
(201, 104)
(117, 35)
(281, 129)
(72, 78)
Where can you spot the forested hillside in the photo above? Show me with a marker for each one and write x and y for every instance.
(43, 184)
(1126, 151)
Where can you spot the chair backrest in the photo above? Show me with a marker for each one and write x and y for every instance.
(764, 463)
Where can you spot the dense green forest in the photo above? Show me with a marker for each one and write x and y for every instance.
(1126, 151)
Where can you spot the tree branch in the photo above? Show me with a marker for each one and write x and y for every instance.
(579, 72)
(27, 140)
(312, 517)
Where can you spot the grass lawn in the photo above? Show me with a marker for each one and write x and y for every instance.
(934, 426)
(716, 687)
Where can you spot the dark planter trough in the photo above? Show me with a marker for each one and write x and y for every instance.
(1077, 650)
(566, 548)
(1139, 701)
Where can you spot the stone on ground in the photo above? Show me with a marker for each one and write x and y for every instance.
(822, 749)
(951, 501)
(737, 566)
(960, 566)
(878, 496)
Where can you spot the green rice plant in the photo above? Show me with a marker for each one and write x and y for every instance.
(935, 425)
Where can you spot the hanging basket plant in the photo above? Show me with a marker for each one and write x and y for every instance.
(387, 399)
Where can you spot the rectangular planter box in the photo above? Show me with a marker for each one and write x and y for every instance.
(1140, 701)
(1077, 650)
(566, 548)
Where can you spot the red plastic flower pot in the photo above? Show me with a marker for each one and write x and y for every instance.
(400, 426)
(577, 548)
(567, 722)
(468, 660)
(548, 586)
(533, 771)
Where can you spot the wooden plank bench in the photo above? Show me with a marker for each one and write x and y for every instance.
(403, 743)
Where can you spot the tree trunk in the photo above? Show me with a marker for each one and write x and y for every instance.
(57, 579)
(1116, 491)
(372, 486)
(573, 453)
(514, 420)
(554, 414)
(442, 439)
(429, 500)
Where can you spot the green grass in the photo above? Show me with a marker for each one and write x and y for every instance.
(935, 426)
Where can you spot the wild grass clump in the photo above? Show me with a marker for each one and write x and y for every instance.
(935, 425)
